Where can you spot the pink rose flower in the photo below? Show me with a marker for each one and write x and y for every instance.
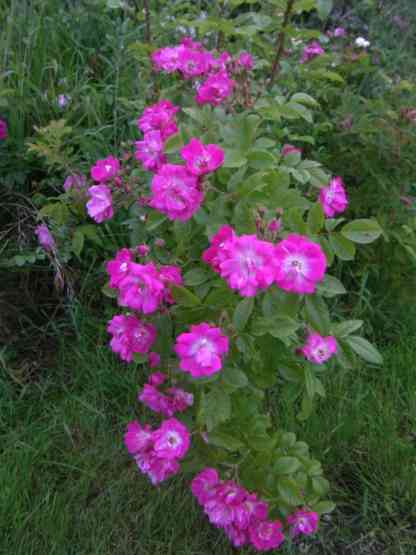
(159, 117)
(75, 181)
(201, 350)
(245, 60)
(45, 238)
(106, 169)
(203, 485)
(150, 151)
(100, 205)
(300, 264)
(288, 149)
(193, 63)
(171, 440)
(339, 32)
(215, 89)
(167, 59)
(143, 250)
(137, 438)
(118, 268)
(175, 192)
(170, 275)
(312, 50)
(202, 159)
(333, 198)
(266, 535)
(141, 289)
(246, 263)
(153, 359)
(130, 336)
(319, 349)
(3, 130)
(303, 522)
(212, 255)
(167, 403)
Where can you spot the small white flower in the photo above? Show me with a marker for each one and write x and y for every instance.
(361, 42)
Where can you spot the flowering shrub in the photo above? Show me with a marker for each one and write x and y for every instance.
(231, 289)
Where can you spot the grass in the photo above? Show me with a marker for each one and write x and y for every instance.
(68, 486)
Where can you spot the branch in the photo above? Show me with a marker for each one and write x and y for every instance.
(280, 41)
(147, 35)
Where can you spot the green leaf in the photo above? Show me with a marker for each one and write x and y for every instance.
(317, 314)
(343, 247)
(173, 143)
(316, 219)
(234, 377)
(215, 408)
(323, 507)
(330, 287)
(324, 8)
(78, 242)
(184, 297)
(303, 98)
(195, 277)
(286, 465)
(219, 439)
(320, 485)
(346, 328)
(242, 313)
(362, 231)
(280, 327)
(289, 491)
(234, 159)
(261, 159)
(109, 292)
(364, 349)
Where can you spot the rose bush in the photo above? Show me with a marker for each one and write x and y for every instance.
(229, 293)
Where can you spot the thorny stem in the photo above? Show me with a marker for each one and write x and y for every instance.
(280, 41)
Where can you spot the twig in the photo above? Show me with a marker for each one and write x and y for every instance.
(147, 35)
(280, 41)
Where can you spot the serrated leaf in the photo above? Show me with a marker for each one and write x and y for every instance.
(77, 242)
(323, 507)
(242, 313)
(364, 349)
(324, 8)
(215, 408)
(316, 219)
(303, 98)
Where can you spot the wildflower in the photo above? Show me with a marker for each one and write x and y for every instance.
(212, 255)
(150, 151)
(3, 130)
(333, 198)
(100, 205)
(137, 437)
(340, 32)
(215, 89)
(130, 336)
(141, 289)
(153, 359)
(173, 400)
(175, 192)
(45, 237)
(171, 440)
(246, 263)
(289, 149)
(167, 59)
(202, 159)
(266, 535)
(75, 181)
(303, 522)
(118, 268)
(300, 264)
(312, 50)
(361, 42)
(159, 117)
(143, 250)
(245, 60)
(192, 63)
(63, 100)
(201, 350)
(319, 349)
(105, 169)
